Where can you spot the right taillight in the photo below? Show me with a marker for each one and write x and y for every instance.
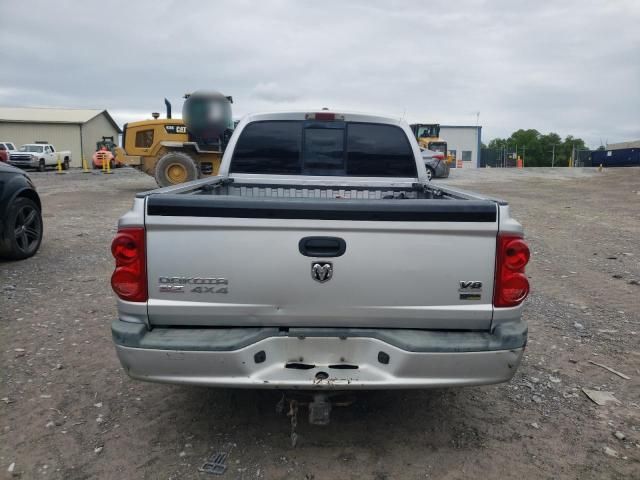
(129, 279)
(511, 284)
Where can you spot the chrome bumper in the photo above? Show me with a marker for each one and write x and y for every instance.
(316, 359)
(24, 163)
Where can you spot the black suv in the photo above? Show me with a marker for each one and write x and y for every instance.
(20, 215)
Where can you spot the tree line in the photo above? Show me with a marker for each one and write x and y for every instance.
(538, 149)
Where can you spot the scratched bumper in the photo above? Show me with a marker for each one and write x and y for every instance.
(316, 360)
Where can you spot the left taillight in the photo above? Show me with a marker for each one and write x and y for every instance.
(129, 279)
(511, 284)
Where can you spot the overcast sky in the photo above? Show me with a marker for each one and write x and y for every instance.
(572, 67)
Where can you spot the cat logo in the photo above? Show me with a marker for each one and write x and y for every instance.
(175, 129)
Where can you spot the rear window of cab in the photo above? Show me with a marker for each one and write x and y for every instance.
(311, 147)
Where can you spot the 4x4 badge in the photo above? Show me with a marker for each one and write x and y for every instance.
(321, 271)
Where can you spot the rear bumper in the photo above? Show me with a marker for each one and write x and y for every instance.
(443, 170)
(318, 359)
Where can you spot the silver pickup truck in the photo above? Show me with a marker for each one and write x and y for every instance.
(320, 258)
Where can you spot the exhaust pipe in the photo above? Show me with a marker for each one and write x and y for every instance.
(168, 105)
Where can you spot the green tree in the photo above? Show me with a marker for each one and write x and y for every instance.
(527, 142)
(549, 143)
(567, 149)
(497, 144)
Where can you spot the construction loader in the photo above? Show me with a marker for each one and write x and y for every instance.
(428, 136)
(180, 150)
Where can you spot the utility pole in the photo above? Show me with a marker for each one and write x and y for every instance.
(553, 155)
(523, 149)
(504, 157)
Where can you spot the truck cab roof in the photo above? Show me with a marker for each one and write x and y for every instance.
(347, 116)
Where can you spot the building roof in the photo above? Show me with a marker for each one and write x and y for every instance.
(52, 115)
(621, 145)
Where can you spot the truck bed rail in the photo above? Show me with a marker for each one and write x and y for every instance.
(322, 209)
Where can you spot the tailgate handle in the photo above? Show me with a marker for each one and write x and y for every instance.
(322, 246)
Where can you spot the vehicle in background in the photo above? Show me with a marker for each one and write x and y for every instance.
(323, 276)
(107, 151)
(428, 137)
(40, 156)
(437, 165)
(180, 150)
(5, 150)
(20, 215)
(101, 157)
(107, 143)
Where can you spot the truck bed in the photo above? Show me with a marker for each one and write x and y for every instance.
(313, 189)
(227, 197)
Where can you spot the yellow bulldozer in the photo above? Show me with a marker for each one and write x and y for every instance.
(180, 150)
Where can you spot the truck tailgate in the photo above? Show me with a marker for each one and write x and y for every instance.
(220, 261)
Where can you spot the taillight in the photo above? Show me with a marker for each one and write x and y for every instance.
(324, 116)
(129, 279)
(511, 284)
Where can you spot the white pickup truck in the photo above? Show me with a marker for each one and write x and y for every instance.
(40, 156)
(320, 258)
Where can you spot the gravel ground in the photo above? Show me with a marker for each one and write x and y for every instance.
(68, 411)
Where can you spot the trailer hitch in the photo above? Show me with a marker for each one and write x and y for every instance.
(319, 408)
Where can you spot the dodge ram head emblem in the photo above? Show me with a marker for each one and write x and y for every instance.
(321, 271)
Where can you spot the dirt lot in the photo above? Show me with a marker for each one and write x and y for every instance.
(68, 410)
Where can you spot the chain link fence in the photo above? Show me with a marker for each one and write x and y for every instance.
(503, 158)
(497, 158)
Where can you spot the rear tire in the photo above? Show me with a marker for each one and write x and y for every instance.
(431, 174)
(24, 229)
(41, 166)
(65, 164)
(174, 168)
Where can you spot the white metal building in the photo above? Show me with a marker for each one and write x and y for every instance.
(623, 145)
(67, 129)
(465, 142)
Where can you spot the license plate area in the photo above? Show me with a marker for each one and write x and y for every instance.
(335, 353)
